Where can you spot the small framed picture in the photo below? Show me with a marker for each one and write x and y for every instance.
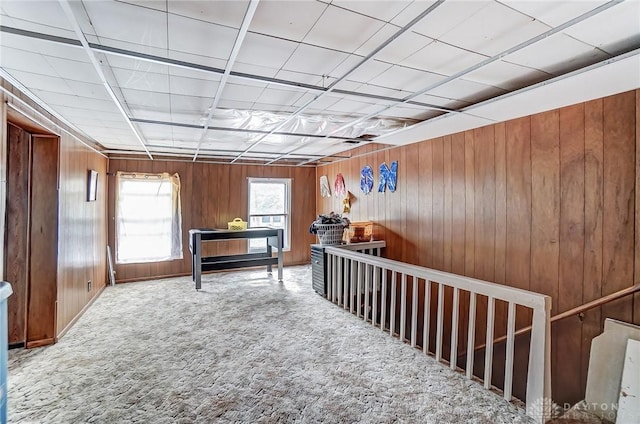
(92, 185)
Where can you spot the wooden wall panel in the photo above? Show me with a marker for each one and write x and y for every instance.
(619, 200)
(572, 169)
(545, 203)
(593, 209)
(82, 230)
(213, 195)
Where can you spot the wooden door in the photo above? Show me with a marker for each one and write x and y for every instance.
(17, 231)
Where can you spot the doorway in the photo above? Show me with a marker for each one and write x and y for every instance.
(31, 234)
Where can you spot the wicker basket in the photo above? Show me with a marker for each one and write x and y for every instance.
(237, 224)
(330, 234)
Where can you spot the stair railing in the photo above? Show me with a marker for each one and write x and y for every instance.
(355, 280)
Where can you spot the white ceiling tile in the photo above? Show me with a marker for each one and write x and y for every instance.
(369, 70)
(116, 61)
(556, 54)
(273, 107)
(192, 86)
(160, 5)
(299, 77)
(272, 95)
(141, 80)
(151, 100)
(290, 20)
(493, 29)
(24, 61)
(406, 79)
(213, 62)
(267, 51)
(353, 107)
(323, 102)
(407, 112)
(191, 118)
(348, 85)
(442, 19)
(506, 75)
(441, 101)
(75, 112)
(223, 12)
(442, 58)
(147, 113)
(233, 91)
(553, 13)
(190, 104)
(618, 28)
(469, 91)
(314, 60)
(54, 99)
(41, 82)
(200, 38)
(128, 23)
(377, 90)
(234, 104)
(403, 47)
(384, 10)
(253, 69)
(74, 70)
(342, 30)
(39, 16)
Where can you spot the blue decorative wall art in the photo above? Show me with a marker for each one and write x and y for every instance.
(366, 179)
(388, 177)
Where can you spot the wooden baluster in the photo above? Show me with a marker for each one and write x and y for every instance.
(440, 322)
(453, 358)
(392, 326)
(403, 305)
(427, 316)
(508, 365)
(488, 354)
(471, 334)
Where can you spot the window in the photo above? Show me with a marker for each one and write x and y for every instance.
(269, 206)
(148, 221)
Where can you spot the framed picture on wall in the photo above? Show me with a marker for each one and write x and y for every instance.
(92, 185)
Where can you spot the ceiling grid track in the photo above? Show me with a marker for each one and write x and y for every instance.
(489, 60)
(246, 21)
(302, 108)
(85, 45)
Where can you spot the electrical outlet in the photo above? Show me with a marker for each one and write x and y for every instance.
(89, 285)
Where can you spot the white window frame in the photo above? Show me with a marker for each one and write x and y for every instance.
(286, 215)
(126, 225)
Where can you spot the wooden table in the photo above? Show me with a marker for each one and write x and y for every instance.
(214, 263)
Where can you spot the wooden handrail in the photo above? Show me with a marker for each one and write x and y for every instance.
(571, 312)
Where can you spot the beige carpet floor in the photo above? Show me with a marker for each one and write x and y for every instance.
(245, 349)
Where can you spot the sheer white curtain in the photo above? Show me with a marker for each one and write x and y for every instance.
(148, 217)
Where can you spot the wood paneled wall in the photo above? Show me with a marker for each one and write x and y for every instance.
(546, 203)
(82, 225)
(211, 196)
(82, 229)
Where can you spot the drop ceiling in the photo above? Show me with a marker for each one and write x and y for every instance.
(302, 82)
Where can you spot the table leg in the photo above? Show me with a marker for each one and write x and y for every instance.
(269, 251)
(280, 255)
(197, 268)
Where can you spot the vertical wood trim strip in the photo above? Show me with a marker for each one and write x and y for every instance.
(453, 358)
(488, 357)
(508, 366)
